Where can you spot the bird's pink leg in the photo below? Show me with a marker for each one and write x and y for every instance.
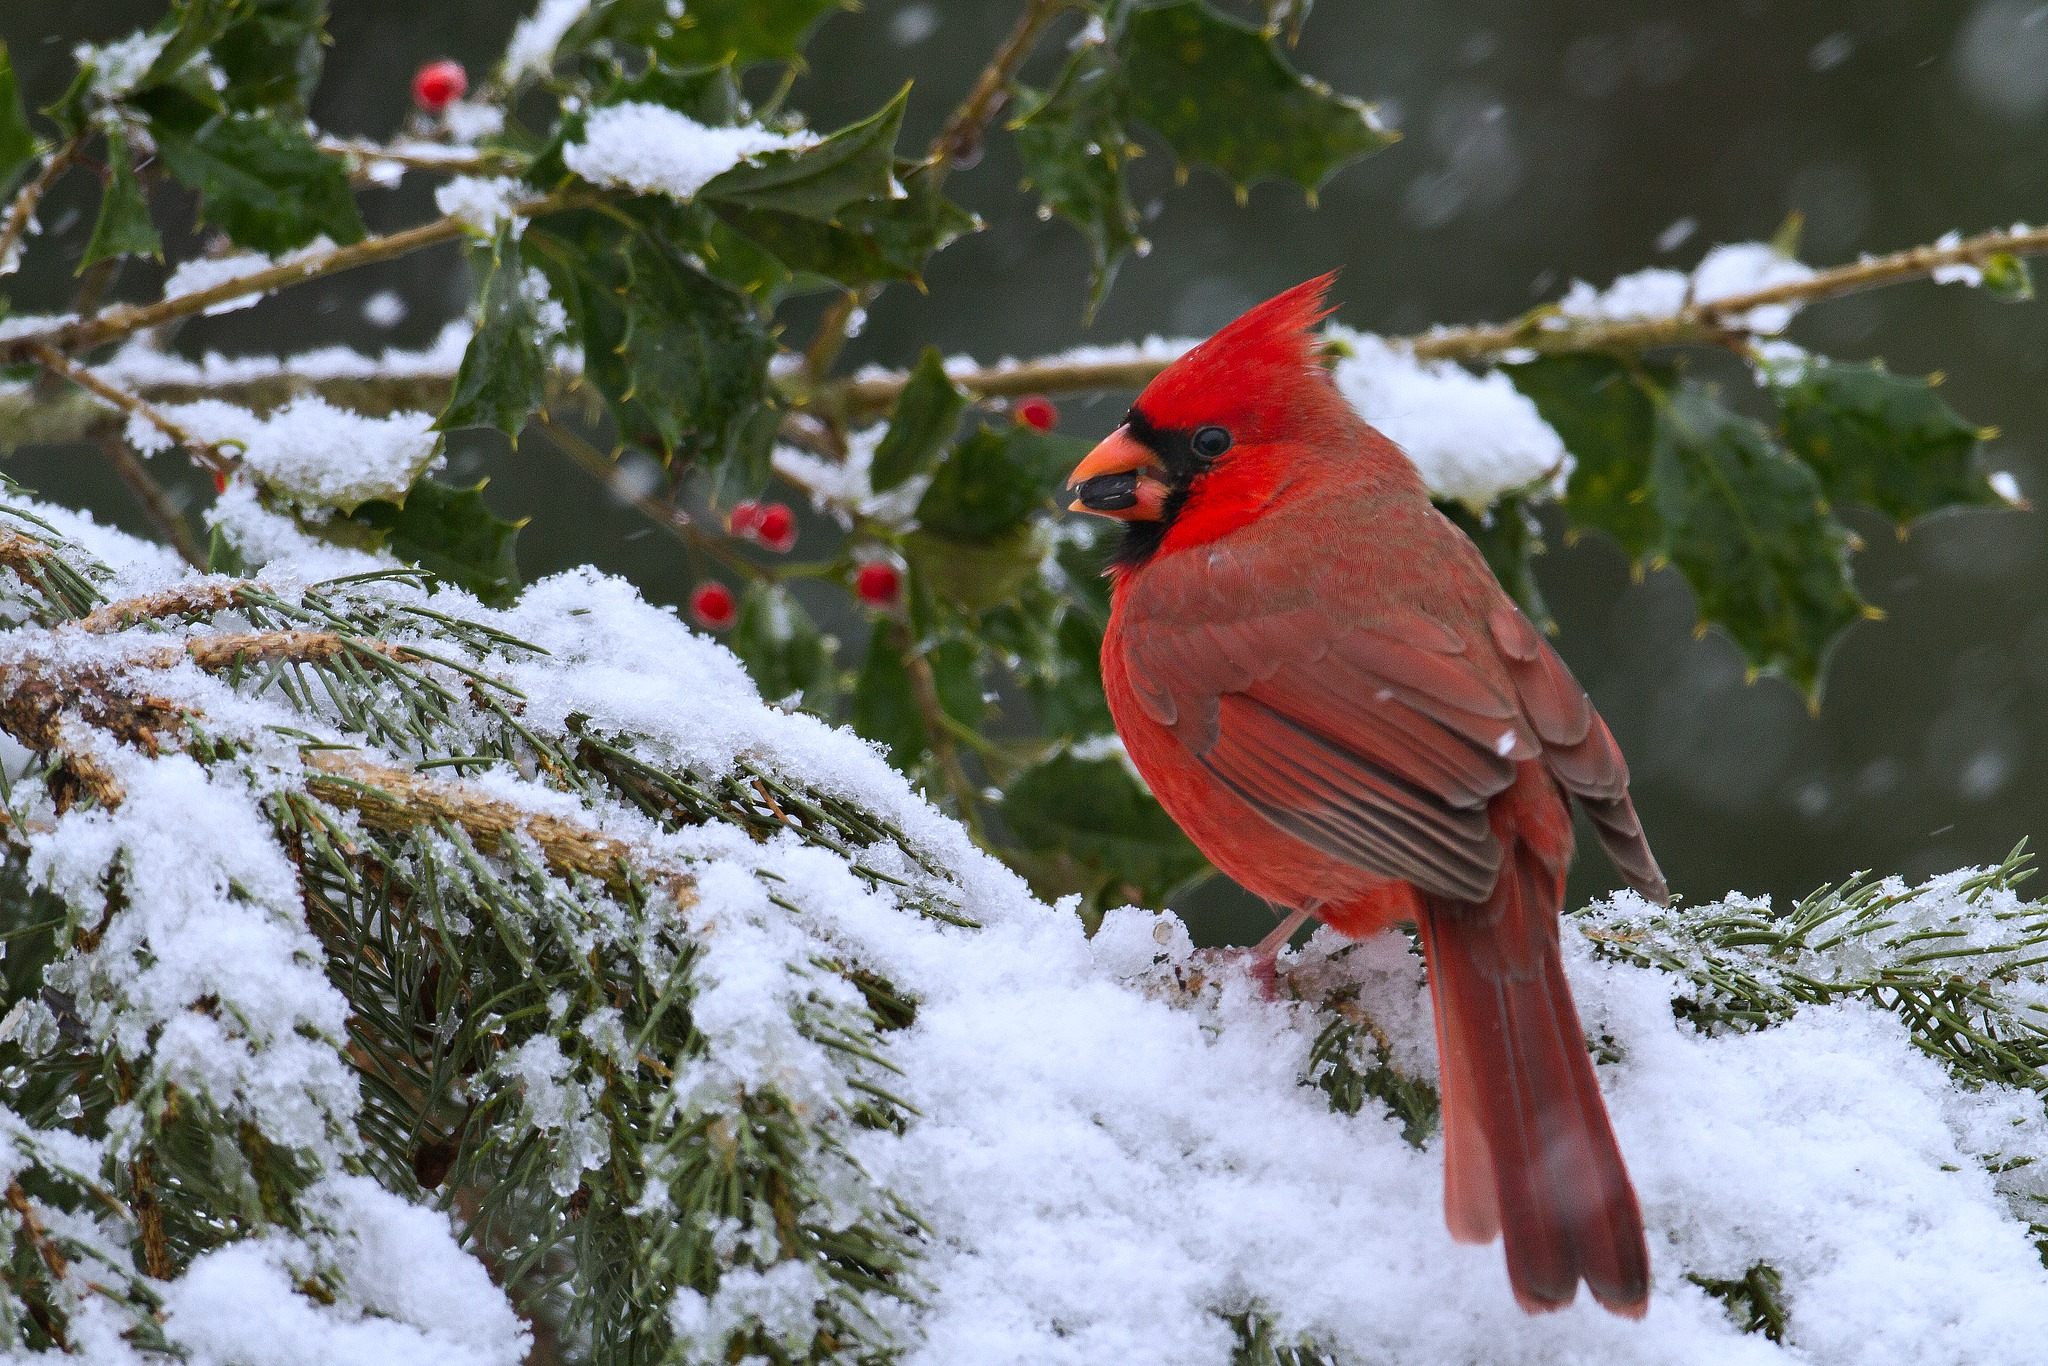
(1264, 958)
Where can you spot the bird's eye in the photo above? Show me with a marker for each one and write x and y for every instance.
(1210, 442)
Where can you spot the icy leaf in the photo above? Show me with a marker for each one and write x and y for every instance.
(123, 227)
(1884, 440)
(504, 374)
(271, 54)
(1606, 420)
(17, 143)
(883, 709)
(1508, 536)
(992, 481)
(1219, 91)
(872, 240)
(855, 163)
(1745, 524)
(923, 421)
(1093, 813)
(451, 532)
(781, 646)
(681, 358)
(1073, 145)
(260, 179)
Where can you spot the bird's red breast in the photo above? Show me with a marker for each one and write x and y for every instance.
(1326, 687)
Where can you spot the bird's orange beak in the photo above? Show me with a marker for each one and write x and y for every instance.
(1121, 478)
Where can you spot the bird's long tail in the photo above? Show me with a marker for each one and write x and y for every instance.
(1529, 1153)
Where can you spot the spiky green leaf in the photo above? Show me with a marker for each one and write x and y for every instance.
(782, 647)
(926, 414)
(883, 707)
(697, 35)
(1219, 91)
(856, 163)
(872, 241)
(1074, 144)
(504, 374)
(1092, 812)
(123, 227)
(1606, 419)
(453, 533)
(260, 179)
(1884, 440)
(17, 143)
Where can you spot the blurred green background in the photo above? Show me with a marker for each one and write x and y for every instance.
(1543, 143)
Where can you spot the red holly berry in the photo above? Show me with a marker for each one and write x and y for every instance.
(437, 85)
(714, 606)
(220, 481)
(878, 584)
(1037, 412)
(776, 528)
(744, 519)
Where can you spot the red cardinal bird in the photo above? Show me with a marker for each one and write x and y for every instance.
(1327, 689)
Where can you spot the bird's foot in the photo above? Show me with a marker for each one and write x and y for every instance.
(1260, 962)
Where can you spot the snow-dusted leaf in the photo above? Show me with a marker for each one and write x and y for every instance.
(17, 143)
(1073, 145)
(123, 227)
(504, 375)
(1884, 440)
(926, 415)
(260, 179)
(271, 54)
(856, 163)
(709, 95)
(701, 34)
(1091, 815)
(782, 647)
(453, 533)
(1606, 416)
(872, 241)
(681, 358)
(1219, 91)
(1745, 523)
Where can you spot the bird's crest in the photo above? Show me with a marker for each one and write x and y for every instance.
(1267, 348)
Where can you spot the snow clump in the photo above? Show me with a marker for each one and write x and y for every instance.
(654, 149)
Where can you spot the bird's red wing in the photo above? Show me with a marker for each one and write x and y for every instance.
(1578, 749)
(1377, 743)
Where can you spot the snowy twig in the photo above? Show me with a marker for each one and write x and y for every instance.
(422, 157)
(212, 457)
(393, 799)
(23, 211)
(124, 320)
(187, 599)
(1541, 331)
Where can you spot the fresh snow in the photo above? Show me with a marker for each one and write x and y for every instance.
(1108, 1162)
(204, 272)
(1472, 436)
(1726, 271)
(535, 38)
(481, 202)
(652, 148)
(317, 454)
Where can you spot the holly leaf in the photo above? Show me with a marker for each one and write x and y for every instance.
(1746, 525)
(17, 143)
(926, 415)
(450, 532)
(992, 481)
(980, 573)
(710, 94)
(884, 710)
(782, 647)
(1093, 813)
(1073, 144)
(1219, 91)
(1508, 535)
(123, 227)
(856, 163)
(260, 179)
(681, 358)
(872, 241)
(503, 378)
(696, 35)
(1068, 696)
(271, 52)
(1886, 441)
(1606, 416)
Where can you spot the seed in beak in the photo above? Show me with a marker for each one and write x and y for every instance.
(1108, 492)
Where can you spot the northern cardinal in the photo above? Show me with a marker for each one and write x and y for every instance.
(1328, 690)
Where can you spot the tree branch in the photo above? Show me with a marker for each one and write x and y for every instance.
(169, 522)
(205, 453)
(123, 320)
